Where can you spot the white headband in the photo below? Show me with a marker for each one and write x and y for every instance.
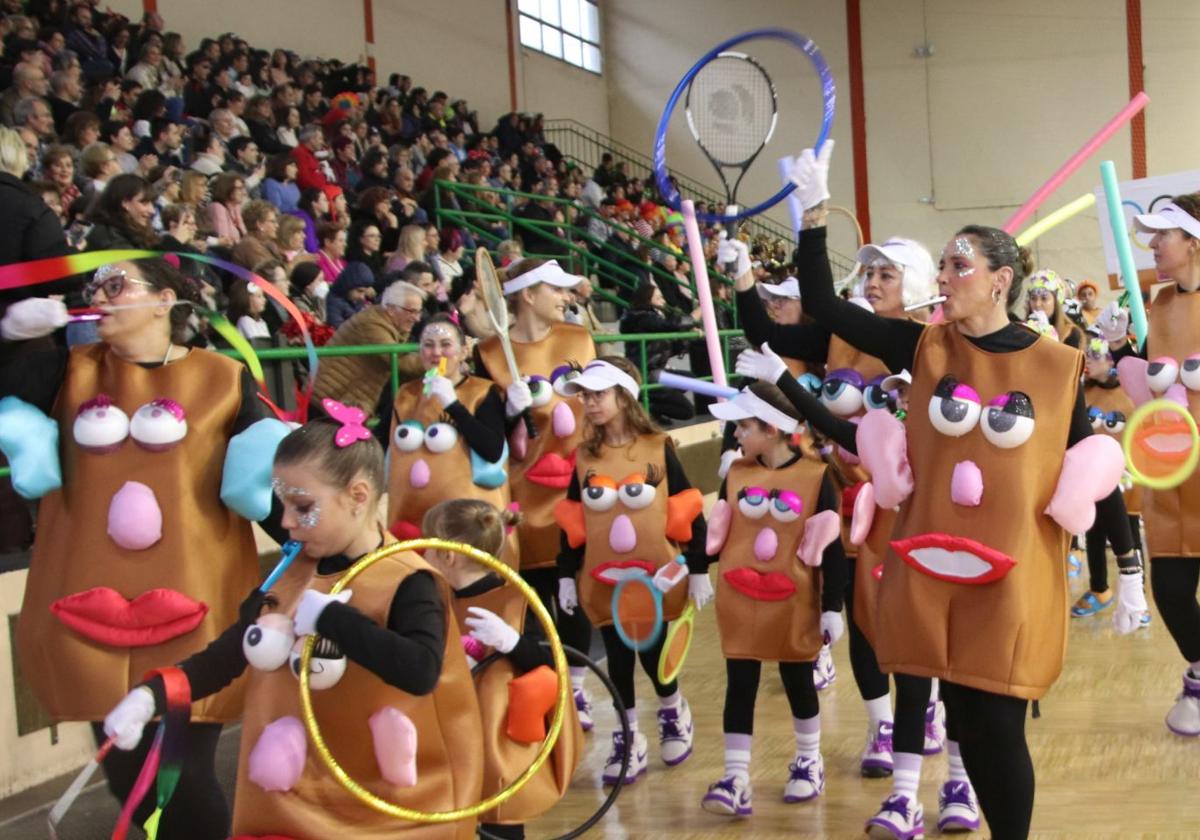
(549, 272)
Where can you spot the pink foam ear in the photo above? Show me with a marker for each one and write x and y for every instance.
(1091, 470)
(134, 517)
(395, 739)
(277, 760)
(518, 441)
(864, 514)
(820, 530)
(966, 484)
(718, 527)
(883, 447)
(1132, 373)
(562, 420)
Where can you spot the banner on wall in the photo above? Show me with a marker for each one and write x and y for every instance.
(1143, 195)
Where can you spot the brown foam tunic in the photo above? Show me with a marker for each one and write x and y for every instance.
(754, 621)
(539, 477)
(1007, 636)
(1115, 399)
(317, 807)
(503, 758)
(206, 552)
(447, 475)
(866, 584)
(1173, 516)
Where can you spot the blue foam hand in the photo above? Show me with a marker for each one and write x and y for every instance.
(246, 477)
(29, 440)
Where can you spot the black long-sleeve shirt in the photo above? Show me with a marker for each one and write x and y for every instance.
(529, 652)
(806, 342)
(483, 431)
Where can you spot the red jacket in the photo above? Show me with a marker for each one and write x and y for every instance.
(309, 173)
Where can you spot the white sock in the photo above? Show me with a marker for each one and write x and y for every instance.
(577, 675)
(673, 701)
(933, 690)
(737, 755)
(808, 744)
(879, 711)
(631, 716)
(958, 773)
(906, 774)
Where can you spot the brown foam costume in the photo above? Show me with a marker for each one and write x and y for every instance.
(658, 529)
(316, 807)
(867, 569)
(540, 469)
(769, 609)
(1114, 400)
(420, 477)
(503, 758)
(1173, 516)
(1007, 636)
(92, 649)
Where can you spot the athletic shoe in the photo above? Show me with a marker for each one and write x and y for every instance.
(729, 797)
(957, 808)
(877, 756)
(1074, 566)
(806, 779)
(637, 762)
(675, 733)
(898, 819)
(1090, 604)
(823, 671)
(583, 707)
(1184, 717)
(935, 727)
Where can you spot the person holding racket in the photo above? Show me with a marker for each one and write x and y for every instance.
(630, 510)
(780, 582)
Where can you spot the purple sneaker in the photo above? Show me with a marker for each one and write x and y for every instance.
(806, 779)
(898, 819)
(1184, 717)
(824, 673)
(957, 809)
(583, 708)
(877, 756)
(637, 761)
(729, 797)
(675, 733)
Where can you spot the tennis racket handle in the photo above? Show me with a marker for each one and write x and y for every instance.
(671, 575)
(530, 428)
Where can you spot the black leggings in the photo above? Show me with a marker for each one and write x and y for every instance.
(990, 730)
(1174, 581)
(620, 666)
(574, 630)
(871, 681)
(741, 690)
(197, 810)
(912, 698)
(1097, 555)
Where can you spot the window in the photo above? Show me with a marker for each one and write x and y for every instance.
(565, 29)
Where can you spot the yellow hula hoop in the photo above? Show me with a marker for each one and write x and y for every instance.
(1181, 473)
(556, 724)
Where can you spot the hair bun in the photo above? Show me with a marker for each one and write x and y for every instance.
(1025, 256)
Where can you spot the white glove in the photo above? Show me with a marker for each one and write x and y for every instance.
(810, 174)
(734, 251)
(519, 398)
(1113, 323)
(763, 364)
(312, 604)
(33, 318)
(126, 722)
(442, 388)
(727, 459)
(832, 626)
(700, 590)
(1131, 602)
(491, 629)
(568, 597)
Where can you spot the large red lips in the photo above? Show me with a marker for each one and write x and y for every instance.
(611, 572)
(552, 470)
(106, 616)
(761, 586)
(953, 559)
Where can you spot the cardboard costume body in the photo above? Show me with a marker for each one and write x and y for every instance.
(768, 602)
(97, 616)
(449, 767)
(1113, 409)
(503, 757)
(424, 470)
(540, 468)
(976, 593)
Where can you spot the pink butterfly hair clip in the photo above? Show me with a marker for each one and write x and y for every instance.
(352, 420)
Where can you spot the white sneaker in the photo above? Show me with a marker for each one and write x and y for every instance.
(899, 818)
(958, 809)
(729, 796)
(638, 762)
(876, 760)
(935, 727)
(806, 779)
(823, 671)
(583, 709)
(675, 733)
(1184, 717)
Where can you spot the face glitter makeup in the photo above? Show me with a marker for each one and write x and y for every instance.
(438, 332)
(962, 247)
(311, 518)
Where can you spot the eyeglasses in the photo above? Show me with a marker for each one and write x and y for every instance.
(413, 312)
(112, 282)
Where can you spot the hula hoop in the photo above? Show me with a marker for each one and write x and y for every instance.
(560, 708)
(1185, 469)
(828, 94)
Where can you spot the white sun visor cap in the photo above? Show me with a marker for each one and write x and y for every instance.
(896, 380)
(1169, 216)
(599, 376)
(789, 288)
(549, 272)
(746, 405)
(902, 252)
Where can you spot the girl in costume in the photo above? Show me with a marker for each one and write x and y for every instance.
(144, 534)
(545, 347)
(773, 605)
(1046, 294)
(992, 464)
(512, 695)
(617, 517)
(391, 690)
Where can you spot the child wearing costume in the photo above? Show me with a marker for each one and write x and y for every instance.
(391, 688)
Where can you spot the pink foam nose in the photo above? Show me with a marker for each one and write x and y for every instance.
(1177, 393)
(418, 476)
(621, 537)
(563, 420)
(966, 484)
(766, 544)
(134, 517)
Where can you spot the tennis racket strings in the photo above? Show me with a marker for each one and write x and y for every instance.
(731, 108)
